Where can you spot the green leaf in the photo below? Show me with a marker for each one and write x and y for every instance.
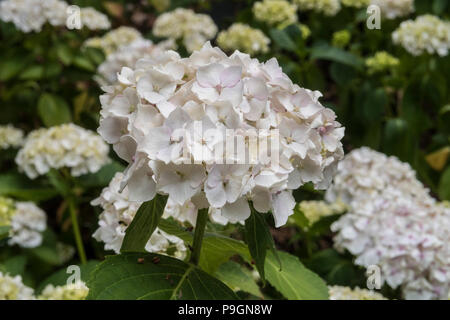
(10, 67)
(53, 110)
(4, 231)
(282, 39)
(444, 185)
(58, 181)
(216, 249)
(19, 186)
(64, 53)
(60, 277)
(144, 224)
(294, 281)
(238, 278)
(259, 239)
(34, 72)
(135, 276)
(15, 265)
(326, 52)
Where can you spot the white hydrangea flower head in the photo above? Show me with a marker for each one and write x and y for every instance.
(118, 212)
(128, 55)
(7, 210)
(156, 114)
(275, 12)
(327, 7)
(425, 34)
(114, 39)
(27, 224)
(242, 37)
(32, 15)
(392, 222)
(347, 293)
(381, 61)
(10, 137)
(356, 3)
(315, 210)
(392, 9)
(72, 291)
(26, 15)
(192, 28)
(93, 19)
(66, 145)
(12, 288)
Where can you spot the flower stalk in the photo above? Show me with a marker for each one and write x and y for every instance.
(76, 231)
(199, 232)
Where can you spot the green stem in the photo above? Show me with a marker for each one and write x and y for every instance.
(76, 230)
(200, 225)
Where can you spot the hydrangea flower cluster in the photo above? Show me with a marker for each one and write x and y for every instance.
(128, 55)
(171, 121)
(394, 223)
(194, 29)
(72, 291)
(425, 34)
(12, 288)
(316, 210)
(118, 213)
(341, 38)
(114, 39)
(10, 137)
(32, 15)
(66, 145)
(327, 7)
(356, 3)
(392, 9)
(380, 62)
(275, 12)
(26, 222)
(93, 19)
(347, 293)
(242, 37)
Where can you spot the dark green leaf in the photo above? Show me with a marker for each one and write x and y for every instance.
(135, 276)
(238, 278)
(326, 52)
(144, 224)
(294, 281)
(53, 110)
(444, 185)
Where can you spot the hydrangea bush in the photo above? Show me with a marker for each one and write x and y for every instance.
(289, 144)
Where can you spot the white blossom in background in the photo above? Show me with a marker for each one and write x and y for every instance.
(114, 39)
(394, 223)
(194, 29)
(315, 210)
(66, 145)
(425, 34)
(392, 9)
(10, 137)
(327, 7)
(32, 15)
(12, 288)
(72, 291)
(118, 212)
(128, 55)
(347, 293)
(356, 3)
(27, 224)
(93, 19)
(275, 12)
(153, 114)
(242, 37)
